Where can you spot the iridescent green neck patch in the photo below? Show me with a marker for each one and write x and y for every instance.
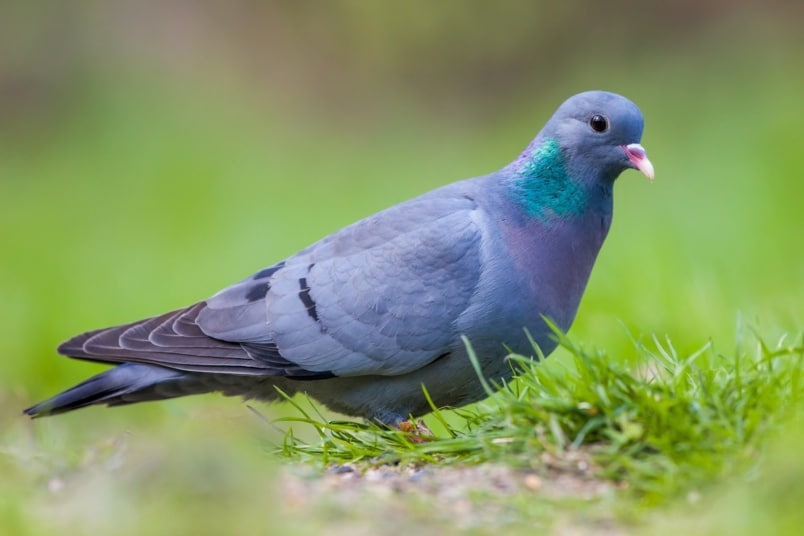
(541, 184)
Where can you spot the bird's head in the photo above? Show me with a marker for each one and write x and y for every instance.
(599, 134)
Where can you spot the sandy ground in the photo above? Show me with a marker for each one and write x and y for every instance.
(462, 497)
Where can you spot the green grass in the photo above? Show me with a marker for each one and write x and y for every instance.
(665, 425)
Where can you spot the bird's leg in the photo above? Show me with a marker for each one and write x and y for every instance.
(418, 431)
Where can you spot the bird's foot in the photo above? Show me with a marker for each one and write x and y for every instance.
(416, 429)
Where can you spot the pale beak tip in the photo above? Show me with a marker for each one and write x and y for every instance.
(646, 167)
(639, 158)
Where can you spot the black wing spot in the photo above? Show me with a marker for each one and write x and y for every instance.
(268, 272)
(306, 299)
(258, 291)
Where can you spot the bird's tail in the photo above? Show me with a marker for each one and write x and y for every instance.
(124, 384)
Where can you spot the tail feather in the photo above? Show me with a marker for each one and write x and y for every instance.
(123, 384)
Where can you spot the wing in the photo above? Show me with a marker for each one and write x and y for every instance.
(379, 297)
(175, 340)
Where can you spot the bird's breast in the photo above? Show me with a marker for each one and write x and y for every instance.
(542, 271)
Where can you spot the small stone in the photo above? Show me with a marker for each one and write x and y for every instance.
(340, 469)
(532, 482)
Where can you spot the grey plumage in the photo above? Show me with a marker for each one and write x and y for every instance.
(361, 319)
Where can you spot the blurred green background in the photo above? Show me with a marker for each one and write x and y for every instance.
(153, 152)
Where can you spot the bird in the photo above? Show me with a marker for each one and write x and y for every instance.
(366, 317)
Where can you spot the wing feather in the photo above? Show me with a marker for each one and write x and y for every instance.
(381, 296)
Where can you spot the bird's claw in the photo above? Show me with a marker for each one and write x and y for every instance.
(416, 429)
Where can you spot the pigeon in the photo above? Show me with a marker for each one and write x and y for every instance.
(366, 317)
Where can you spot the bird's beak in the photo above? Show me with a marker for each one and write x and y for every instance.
(639, 158)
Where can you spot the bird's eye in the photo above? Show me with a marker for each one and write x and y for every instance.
(599, 123)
